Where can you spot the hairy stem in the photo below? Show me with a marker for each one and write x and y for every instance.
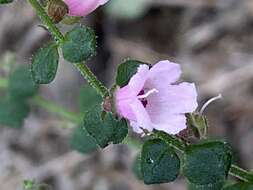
(59, 37)
(92, 79)
(56, 33)
(241, 174)
(171, 140)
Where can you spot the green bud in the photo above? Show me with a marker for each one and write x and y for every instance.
(198, 124)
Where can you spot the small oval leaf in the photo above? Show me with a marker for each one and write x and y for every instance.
(79, 44)
(13, 113)
(82, 141)
(44, 64)
(21, 85)
(207, 163)
(159, 163)
(105, 130)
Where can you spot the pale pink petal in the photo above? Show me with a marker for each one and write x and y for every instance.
(124, 93)
(102, 2)
(123, 97)
(174, 99)
(83, 7)
(171, 124)
(136, 127)
(142, 117)
(162, 74)
(138, 80)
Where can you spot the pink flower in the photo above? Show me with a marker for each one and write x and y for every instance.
(151, 100)
(83, 7)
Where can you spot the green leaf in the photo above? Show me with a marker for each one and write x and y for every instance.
(126, 70)
(88, 98)
(101, 131)
(137, 167)
(5, 1)
(44, 64)
(120, 128)
(21, 85)
(13, 113)
(106, 130)
(207, 163)
(159, 163)
(82, 141)
(79, 44)
(239, 186)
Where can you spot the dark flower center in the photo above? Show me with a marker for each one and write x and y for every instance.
(143, 100)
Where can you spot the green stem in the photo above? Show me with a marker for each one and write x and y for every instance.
(86, 72)
(92, 79)
(53, 108)
(241, 174)
(56, 33)
(171, 140)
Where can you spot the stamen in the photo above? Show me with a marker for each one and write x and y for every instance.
(148, 93)
(209, 102)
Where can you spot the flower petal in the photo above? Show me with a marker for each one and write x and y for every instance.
(123, 97)
(136, 127)
(102, 2)
(141, 115)
(162, 74)
(127, 95)
(138, 80)
(174, 99)
(171, 124)
(83, 7)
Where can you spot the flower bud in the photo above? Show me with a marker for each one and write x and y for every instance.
(57, 10)
(107, 104)
(198, 124)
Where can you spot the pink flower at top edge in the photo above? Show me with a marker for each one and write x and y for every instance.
(83, 7)
(152, 100)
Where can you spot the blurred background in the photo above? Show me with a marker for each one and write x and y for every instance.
(211, 39)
